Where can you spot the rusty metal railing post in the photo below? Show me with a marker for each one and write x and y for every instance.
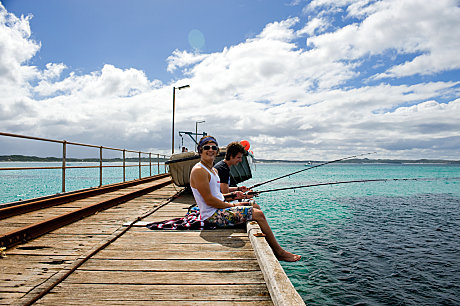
(100, 166)
(124, 165)
(164, 156)
(150, 163)
(64, 153)
(158, 162)
(140, 176)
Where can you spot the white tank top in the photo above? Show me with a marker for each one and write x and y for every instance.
(207, 211)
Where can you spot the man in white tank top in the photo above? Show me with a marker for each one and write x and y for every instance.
(205, 185)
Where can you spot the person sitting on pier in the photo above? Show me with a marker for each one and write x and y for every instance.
(233, 156)
(205, 184)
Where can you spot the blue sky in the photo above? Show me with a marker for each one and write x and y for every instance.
(140, 34)
(300, 80)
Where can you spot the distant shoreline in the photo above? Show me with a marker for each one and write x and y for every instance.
(23, 158)
(365, 161)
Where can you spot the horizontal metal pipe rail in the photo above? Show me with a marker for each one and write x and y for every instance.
(64, 141)
(69, 167)
(100, 166)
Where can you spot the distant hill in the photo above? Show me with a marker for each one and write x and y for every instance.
(23, 158)
(366, 161)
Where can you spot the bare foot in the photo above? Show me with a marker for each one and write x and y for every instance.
(287, 256)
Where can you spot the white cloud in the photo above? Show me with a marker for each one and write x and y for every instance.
(316, 25)
(108, 82)
(182, 59)
(426, 29)
(16, 48)
(53, 71)
(279, 30)
(294, 91)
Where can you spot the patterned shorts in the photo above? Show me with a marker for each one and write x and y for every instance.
(231, 216)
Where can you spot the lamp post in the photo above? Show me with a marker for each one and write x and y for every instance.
(196, 133)
(174, 110)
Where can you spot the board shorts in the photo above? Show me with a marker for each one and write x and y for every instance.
(232, 216)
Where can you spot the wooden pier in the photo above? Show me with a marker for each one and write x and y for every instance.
(111, 258)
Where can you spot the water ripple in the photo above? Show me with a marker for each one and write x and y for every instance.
(390, 251)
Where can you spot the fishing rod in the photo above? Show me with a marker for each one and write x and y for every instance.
(319, 165)
(348, 182)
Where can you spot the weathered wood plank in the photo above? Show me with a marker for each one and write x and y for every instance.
(187, 302)
(185, 247)
(87, 229)
(234, 241)
(111, 264)
(8, 298)
(149, 293)
(65, 242)
(138, 231)
(161, 278)
(48, 251)
(160, 254)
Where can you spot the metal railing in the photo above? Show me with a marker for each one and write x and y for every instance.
(100, 166)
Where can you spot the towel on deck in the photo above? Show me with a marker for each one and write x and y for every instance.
(191, 221)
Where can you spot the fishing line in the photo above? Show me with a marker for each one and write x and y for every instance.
(354, 181)
(316, 166)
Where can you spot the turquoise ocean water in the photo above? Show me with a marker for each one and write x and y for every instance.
(18, 185)
(379, 243)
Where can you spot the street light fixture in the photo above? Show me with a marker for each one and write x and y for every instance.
(174, 110)
(196, 133)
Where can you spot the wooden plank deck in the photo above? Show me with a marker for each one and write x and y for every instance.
(28, 266)
(168, 267)
(217, 267)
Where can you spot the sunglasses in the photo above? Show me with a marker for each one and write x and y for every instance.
(207, 147)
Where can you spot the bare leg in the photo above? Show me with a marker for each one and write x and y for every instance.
(255, 205)
(280, 253)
